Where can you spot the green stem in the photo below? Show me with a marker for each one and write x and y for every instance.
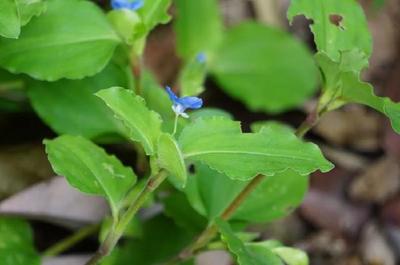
(175, 124)
(70, 241)
(137, 68)
(211, 231)
(115, 234)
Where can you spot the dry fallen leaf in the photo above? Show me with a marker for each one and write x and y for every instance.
(378, 182)
(353, 126)
(374, 248)
(67, 260)
(213, 258)
(56, 201)
(21, 166)
(333, 213)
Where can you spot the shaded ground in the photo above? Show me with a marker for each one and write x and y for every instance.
(350, 215)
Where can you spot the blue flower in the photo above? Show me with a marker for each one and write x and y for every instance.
(201, 57)
(127, 4)
(182, 104)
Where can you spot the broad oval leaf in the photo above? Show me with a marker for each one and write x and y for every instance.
(171, 159)
(275, 197)
(144, 125)
(210, 193)
(90, 169)
(338, 25)
(245, 255)
(70, 106)
(60, 43)
(219, 143)
(252, 65)
(10, 25)
(16, 243)
(198, 27)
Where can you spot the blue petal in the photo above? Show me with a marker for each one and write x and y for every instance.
(172, 95)
(135, 5)
(191, 102)
(201, 57)
(132, 5)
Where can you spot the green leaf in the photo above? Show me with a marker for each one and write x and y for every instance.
(16, 243)
(274, 198)
(291, 256)
(160, 232)
(198, 27)
(29, 9)
(245, 255)
(338, 25)
(252, 63)
(357, 91)
(209, 112)
(70, 106)
(219, 143)
(345, 86)
(156, 97)
(257, 126)
(210, 193)
(143, 124)
(128, 24)
(192, 78)
(90, 169)
(178, 208)
(60, 43)
(10, 25)
(171, 159)
(155, 12)
(133, 230)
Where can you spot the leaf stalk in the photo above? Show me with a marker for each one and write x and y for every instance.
(116, 232)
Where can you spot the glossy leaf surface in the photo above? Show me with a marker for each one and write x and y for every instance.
(60, 43)
(90, 169)
(219, 143)
(251, 64)
(143, 125)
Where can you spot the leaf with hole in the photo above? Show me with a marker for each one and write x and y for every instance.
(338, 26)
